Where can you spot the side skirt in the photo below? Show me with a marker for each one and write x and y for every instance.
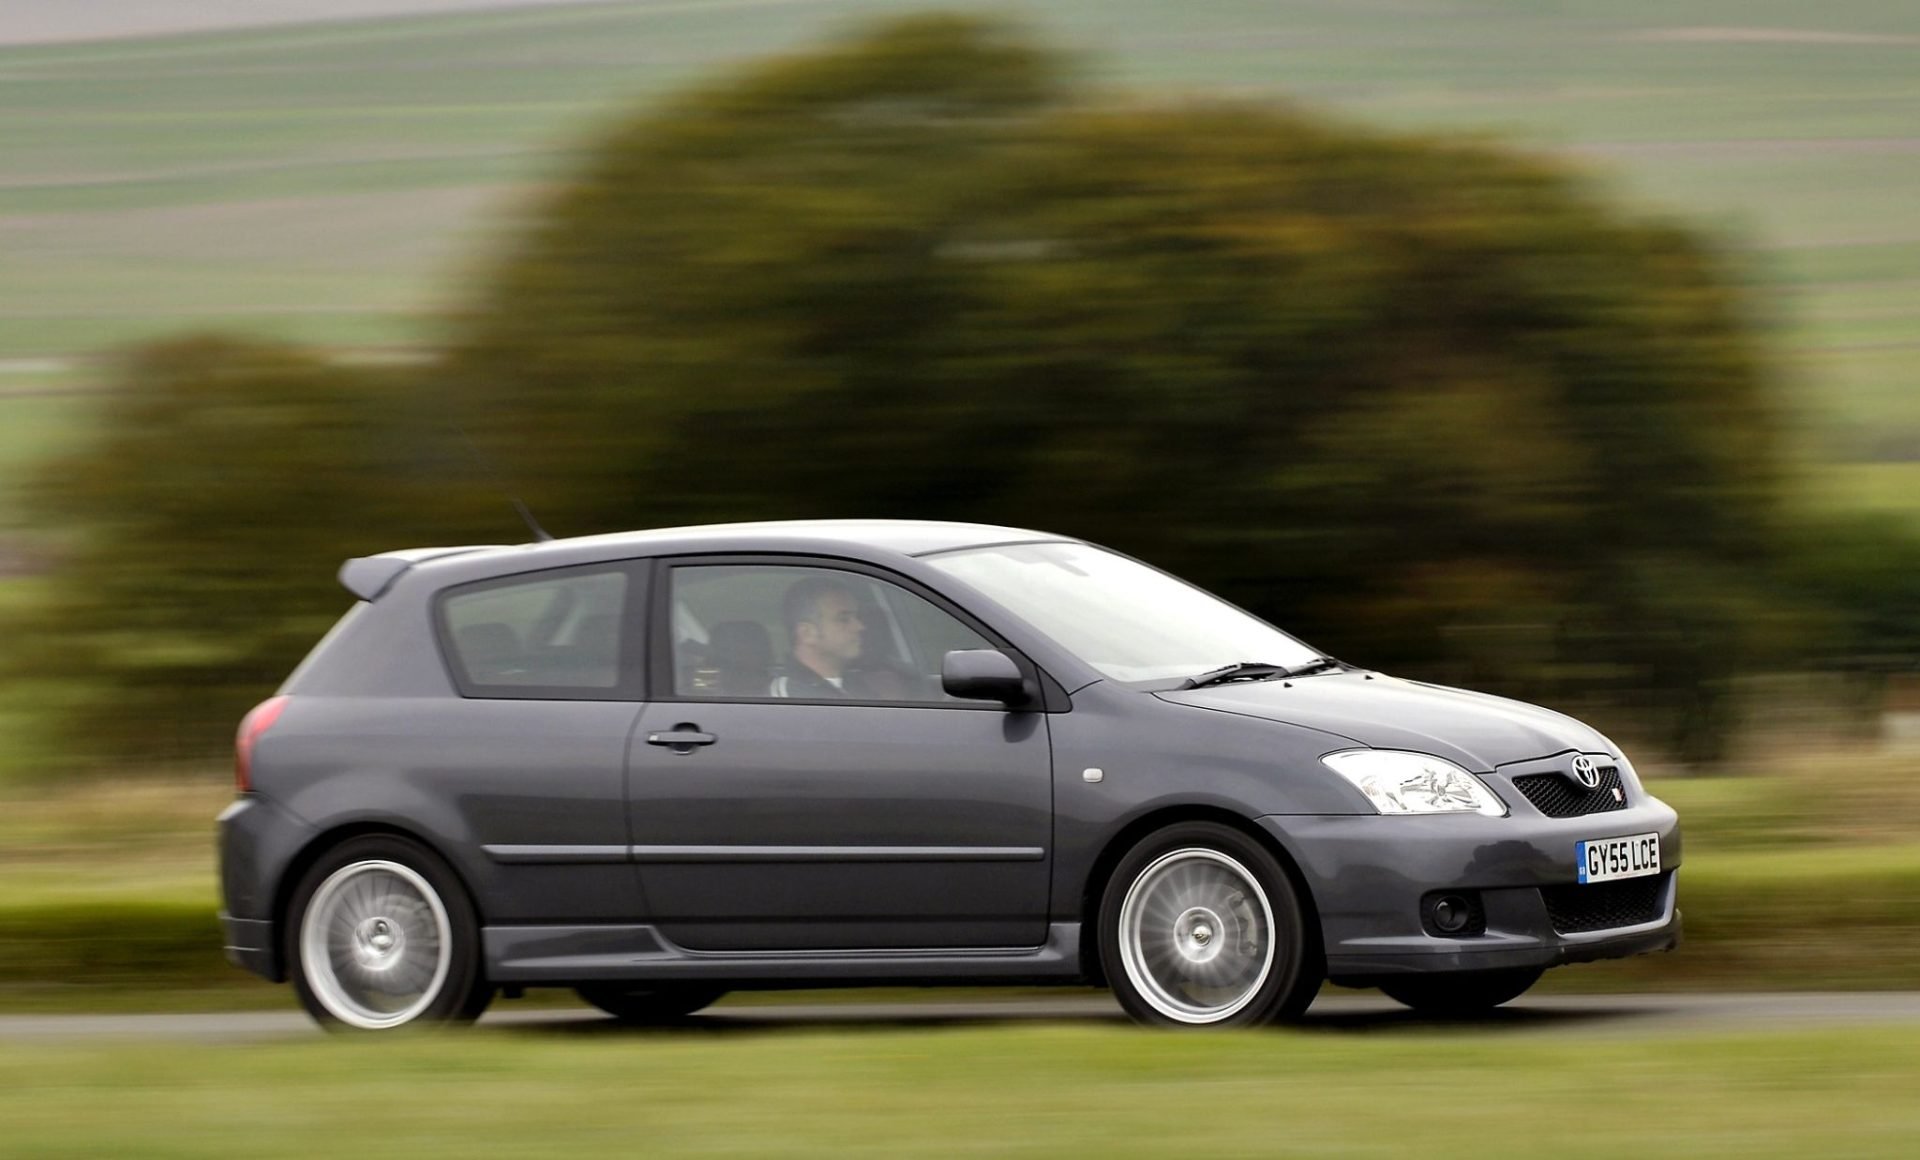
(578, 954)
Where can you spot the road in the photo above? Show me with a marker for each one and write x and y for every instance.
(1553, 1015)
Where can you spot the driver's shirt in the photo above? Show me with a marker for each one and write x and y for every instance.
(804, 683)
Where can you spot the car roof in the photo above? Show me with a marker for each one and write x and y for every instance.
(369, 576)
(906, 537)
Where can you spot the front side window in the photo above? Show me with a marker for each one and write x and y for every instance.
(553, 631)
(777, 632)
(1129, 621)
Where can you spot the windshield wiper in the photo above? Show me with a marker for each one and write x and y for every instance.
(1259, 671)
(1316, 665)
(1237, 671)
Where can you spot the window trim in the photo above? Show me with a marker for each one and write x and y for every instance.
(630, 681)
(1053, 698)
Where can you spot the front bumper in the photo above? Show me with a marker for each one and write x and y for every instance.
(1367, 875)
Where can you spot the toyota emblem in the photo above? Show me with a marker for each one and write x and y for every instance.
(1586, 771)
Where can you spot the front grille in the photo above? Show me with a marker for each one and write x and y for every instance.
(1559, 796)
(1605, 905)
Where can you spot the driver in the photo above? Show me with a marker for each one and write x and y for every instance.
(825, 631)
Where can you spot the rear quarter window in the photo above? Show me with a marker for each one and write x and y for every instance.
(550, 633)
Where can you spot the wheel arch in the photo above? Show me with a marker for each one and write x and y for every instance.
(317, 848)
(1100, 878)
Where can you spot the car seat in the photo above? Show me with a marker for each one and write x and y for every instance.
(741, 653)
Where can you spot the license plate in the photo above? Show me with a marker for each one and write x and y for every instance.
(1606, 859)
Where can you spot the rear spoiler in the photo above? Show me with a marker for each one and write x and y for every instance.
(369, 576)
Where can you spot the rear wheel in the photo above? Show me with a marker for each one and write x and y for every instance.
(1200, 926)
(1465, 993)
(631, 1004)
(381, 935)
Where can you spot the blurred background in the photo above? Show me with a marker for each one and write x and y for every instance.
(1570, 352)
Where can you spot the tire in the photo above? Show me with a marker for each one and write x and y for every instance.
(1201, 926)
(381, 935)
(644, 1005)
(1464, 993)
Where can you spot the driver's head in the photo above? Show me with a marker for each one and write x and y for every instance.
(823, 620)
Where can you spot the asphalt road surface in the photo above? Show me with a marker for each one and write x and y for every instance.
(1584, 1015)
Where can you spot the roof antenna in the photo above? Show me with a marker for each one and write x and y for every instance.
(486, 468)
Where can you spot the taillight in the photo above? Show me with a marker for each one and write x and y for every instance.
(252, 727)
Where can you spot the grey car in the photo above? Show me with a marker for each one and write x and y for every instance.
(655, 767)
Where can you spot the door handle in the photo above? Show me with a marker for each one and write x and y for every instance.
(682, 737)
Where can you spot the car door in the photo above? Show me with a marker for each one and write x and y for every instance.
(532, 754)
(773, 809)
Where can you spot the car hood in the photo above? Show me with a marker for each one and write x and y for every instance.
(1474, 730)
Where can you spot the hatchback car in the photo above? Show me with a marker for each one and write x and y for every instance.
(659, 766)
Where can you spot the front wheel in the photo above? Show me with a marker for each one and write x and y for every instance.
(1466, 993)
(641, 1005)
(1200, 926)
(381, 935)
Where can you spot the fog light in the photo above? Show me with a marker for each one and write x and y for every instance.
(1453, 914)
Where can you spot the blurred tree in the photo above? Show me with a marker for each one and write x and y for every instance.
(1865, 570)
(203, 528)
(1429, 404)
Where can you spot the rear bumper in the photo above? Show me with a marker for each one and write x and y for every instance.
(1368, 874)
(258, 840)
(250, 945)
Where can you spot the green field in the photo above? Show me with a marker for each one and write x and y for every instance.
(334, 183)
(1009, 1091)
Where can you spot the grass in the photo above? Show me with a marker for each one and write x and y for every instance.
(330, 183)
(1881, 488)
(81, 842)
(1832, 797)
(1041, 1091)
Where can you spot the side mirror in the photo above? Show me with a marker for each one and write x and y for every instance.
(984, 674)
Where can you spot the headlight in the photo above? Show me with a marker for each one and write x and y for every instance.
(1414, 783)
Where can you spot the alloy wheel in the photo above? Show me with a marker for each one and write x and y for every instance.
(1196, 935)
(376, 944)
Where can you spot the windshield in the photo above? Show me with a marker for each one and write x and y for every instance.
(1129, 621)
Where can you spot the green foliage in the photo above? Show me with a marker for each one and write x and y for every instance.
(1863, 568)
(115, 943)
(202, 530)
(1429, 404)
